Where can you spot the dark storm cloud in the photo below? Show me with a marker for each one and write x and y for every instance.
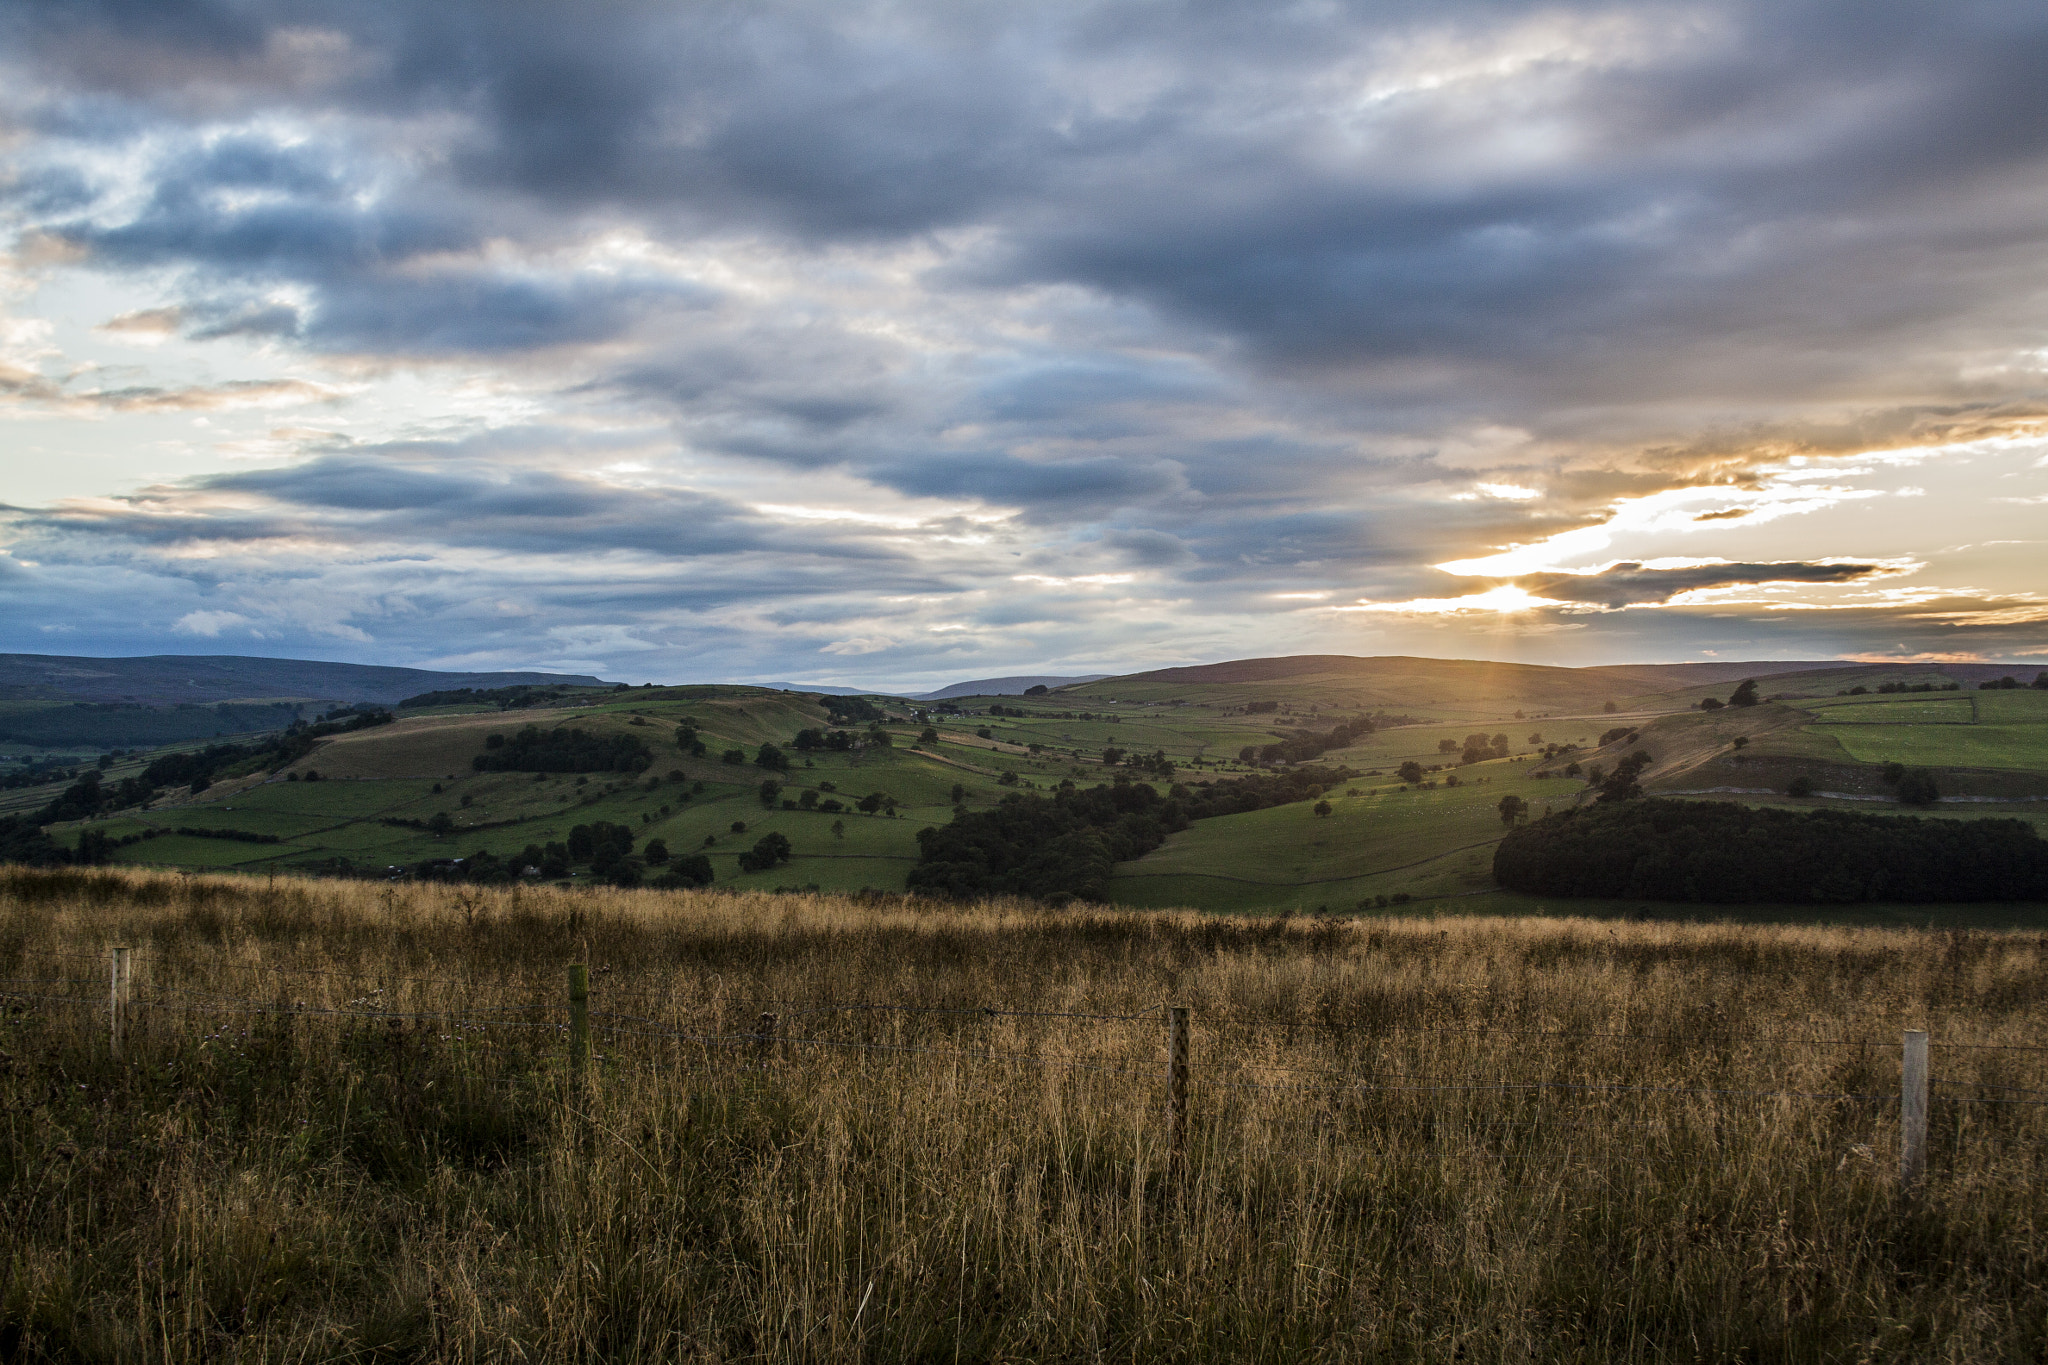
(517, 511)
(1219, 162)
(397, 275)
(1075, 487)
(1623, 585)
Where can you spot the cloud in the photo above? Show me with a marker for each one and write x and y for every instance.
(1626, 584)
(708, 329)
(208, 623)
(27, 386)
(146, 323)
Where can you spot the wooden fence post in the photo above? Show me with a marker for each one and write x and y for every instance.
(1913, 1081)
(117, 1001)
(764, 1039)
(579, 1018)
(1176, 1090)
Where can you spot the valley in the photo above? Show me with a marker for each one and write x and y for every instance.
(404, 797)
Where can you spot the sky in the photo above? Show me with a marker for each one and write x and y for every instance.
(890, 344)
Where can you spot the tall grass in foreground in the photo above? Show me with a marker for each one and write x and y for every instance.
(1372, 1174)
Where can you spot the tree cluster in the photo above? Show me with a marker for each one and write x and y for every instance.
(1237, 795)
(601, 844)
(1307, 746)
(851, 710)
(1720, 852)
(504, 698)
(829, 741)
(534, 750)
(1062, 846)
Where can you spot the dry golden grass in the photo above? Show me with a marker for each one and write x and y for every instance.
(1385, 1161)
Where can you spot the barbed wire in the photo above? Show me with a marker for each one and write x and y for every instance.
(92, 1000)
(1473, 1030)
(630, 986)
(1987, 1085)
(1590, 1086)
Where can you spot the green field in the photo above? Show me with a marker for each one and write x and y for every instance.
(1959, 710)
(2006, 730)
(1383, 841)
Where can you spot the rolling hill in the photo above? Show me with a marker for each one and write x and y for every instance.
(408, 793)
(161, 679)
(1006, 687)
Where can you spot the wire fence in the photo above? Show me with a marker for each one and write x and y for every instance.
(1236, 1054)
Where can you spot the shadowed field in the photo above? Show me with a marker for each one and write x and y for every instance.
(344, 1126)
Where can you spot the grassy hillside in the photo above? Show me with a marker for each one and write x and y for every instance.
(381, 787)
(166, 679)
(1380, 840)
(420, 766)
(345, 1124)
(1453, 687)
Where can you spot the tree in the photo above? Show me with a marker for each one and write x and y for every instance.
(694, 870)
(769, 791)
(1799, 787)
(1447, 746)
(1323, 808)
(1710, 703)
(733, 756)
(769, 850)
(1610, 708)
(656, 852)
(807, 800)
(1410, 772)
(773, 758)
(1036, 690)
(839, 829)
(1917, 788)
(1513, 808)
(1622, 785)
(441, 823)
(928, 735)
(1744, 695)
(959, 793)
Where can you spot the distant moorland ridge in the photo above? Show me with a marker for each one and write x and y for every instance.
(1326, 665)
(158, 679)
